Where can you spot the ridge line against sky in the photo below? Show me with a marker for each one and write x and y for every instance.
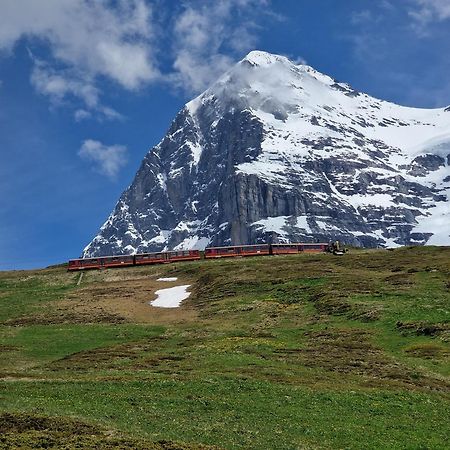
(86, 87)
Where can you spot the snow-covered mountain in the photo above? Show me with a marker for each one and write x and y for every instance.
(279, 151)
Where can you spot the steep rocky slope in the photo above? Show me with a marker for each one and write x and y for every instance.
(278, 151)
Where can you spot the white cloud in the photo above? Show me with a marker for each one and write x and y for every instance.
(87, 40)
(298, 60)
(427, 11)
(362, 17)
(206, 33)
(108, 160)
(101, 112)
(59, 84)
(63, 85)
(81, 114)
(84, 42)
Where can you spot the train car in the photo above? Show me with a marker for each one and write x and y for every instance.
(286, 249)
(117, 261)
(254, 250)
(150, 258)
(166, 257)
(238, 250)
(85, 263)
(183, 255)
(101, 262)
(316, 248)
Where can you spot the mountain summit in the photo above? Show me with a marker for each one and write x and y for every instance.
(276, 150)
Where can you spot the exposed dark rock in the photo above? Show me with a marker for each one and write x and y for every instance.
(422, 165)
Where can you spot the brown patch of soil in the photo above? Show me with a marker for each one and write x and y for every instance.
(365, 313)
(423, 328)
(145, 354)
(399, 279)
(337, 304)
(19, 423)
(351, 351)
(8, 348)
(25, 431)
(428, 351)
(113, 301)
(129, 299)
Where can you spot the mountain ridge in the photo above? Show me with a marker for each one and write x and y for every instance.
(278, 151)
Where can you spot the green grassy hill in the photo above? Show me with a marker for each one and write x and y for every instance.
(287, 352)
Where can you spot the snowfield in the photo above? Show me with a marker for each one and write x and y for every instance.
(171, 297)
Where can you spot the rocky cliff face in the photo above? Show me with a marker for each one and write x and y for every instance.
(279, 151)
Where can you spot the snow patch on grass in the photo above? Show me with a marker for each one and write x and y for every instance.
(171, 297)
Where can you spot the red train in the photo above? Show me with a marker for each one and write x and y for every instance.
(133, 260)
(284, 249)
(238, 250)
(192, 255)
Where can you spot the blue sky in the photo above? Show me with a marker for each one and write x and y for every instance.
(88, 87)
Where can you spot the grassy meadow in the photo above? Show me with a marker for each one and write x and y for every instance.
(285, 352)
